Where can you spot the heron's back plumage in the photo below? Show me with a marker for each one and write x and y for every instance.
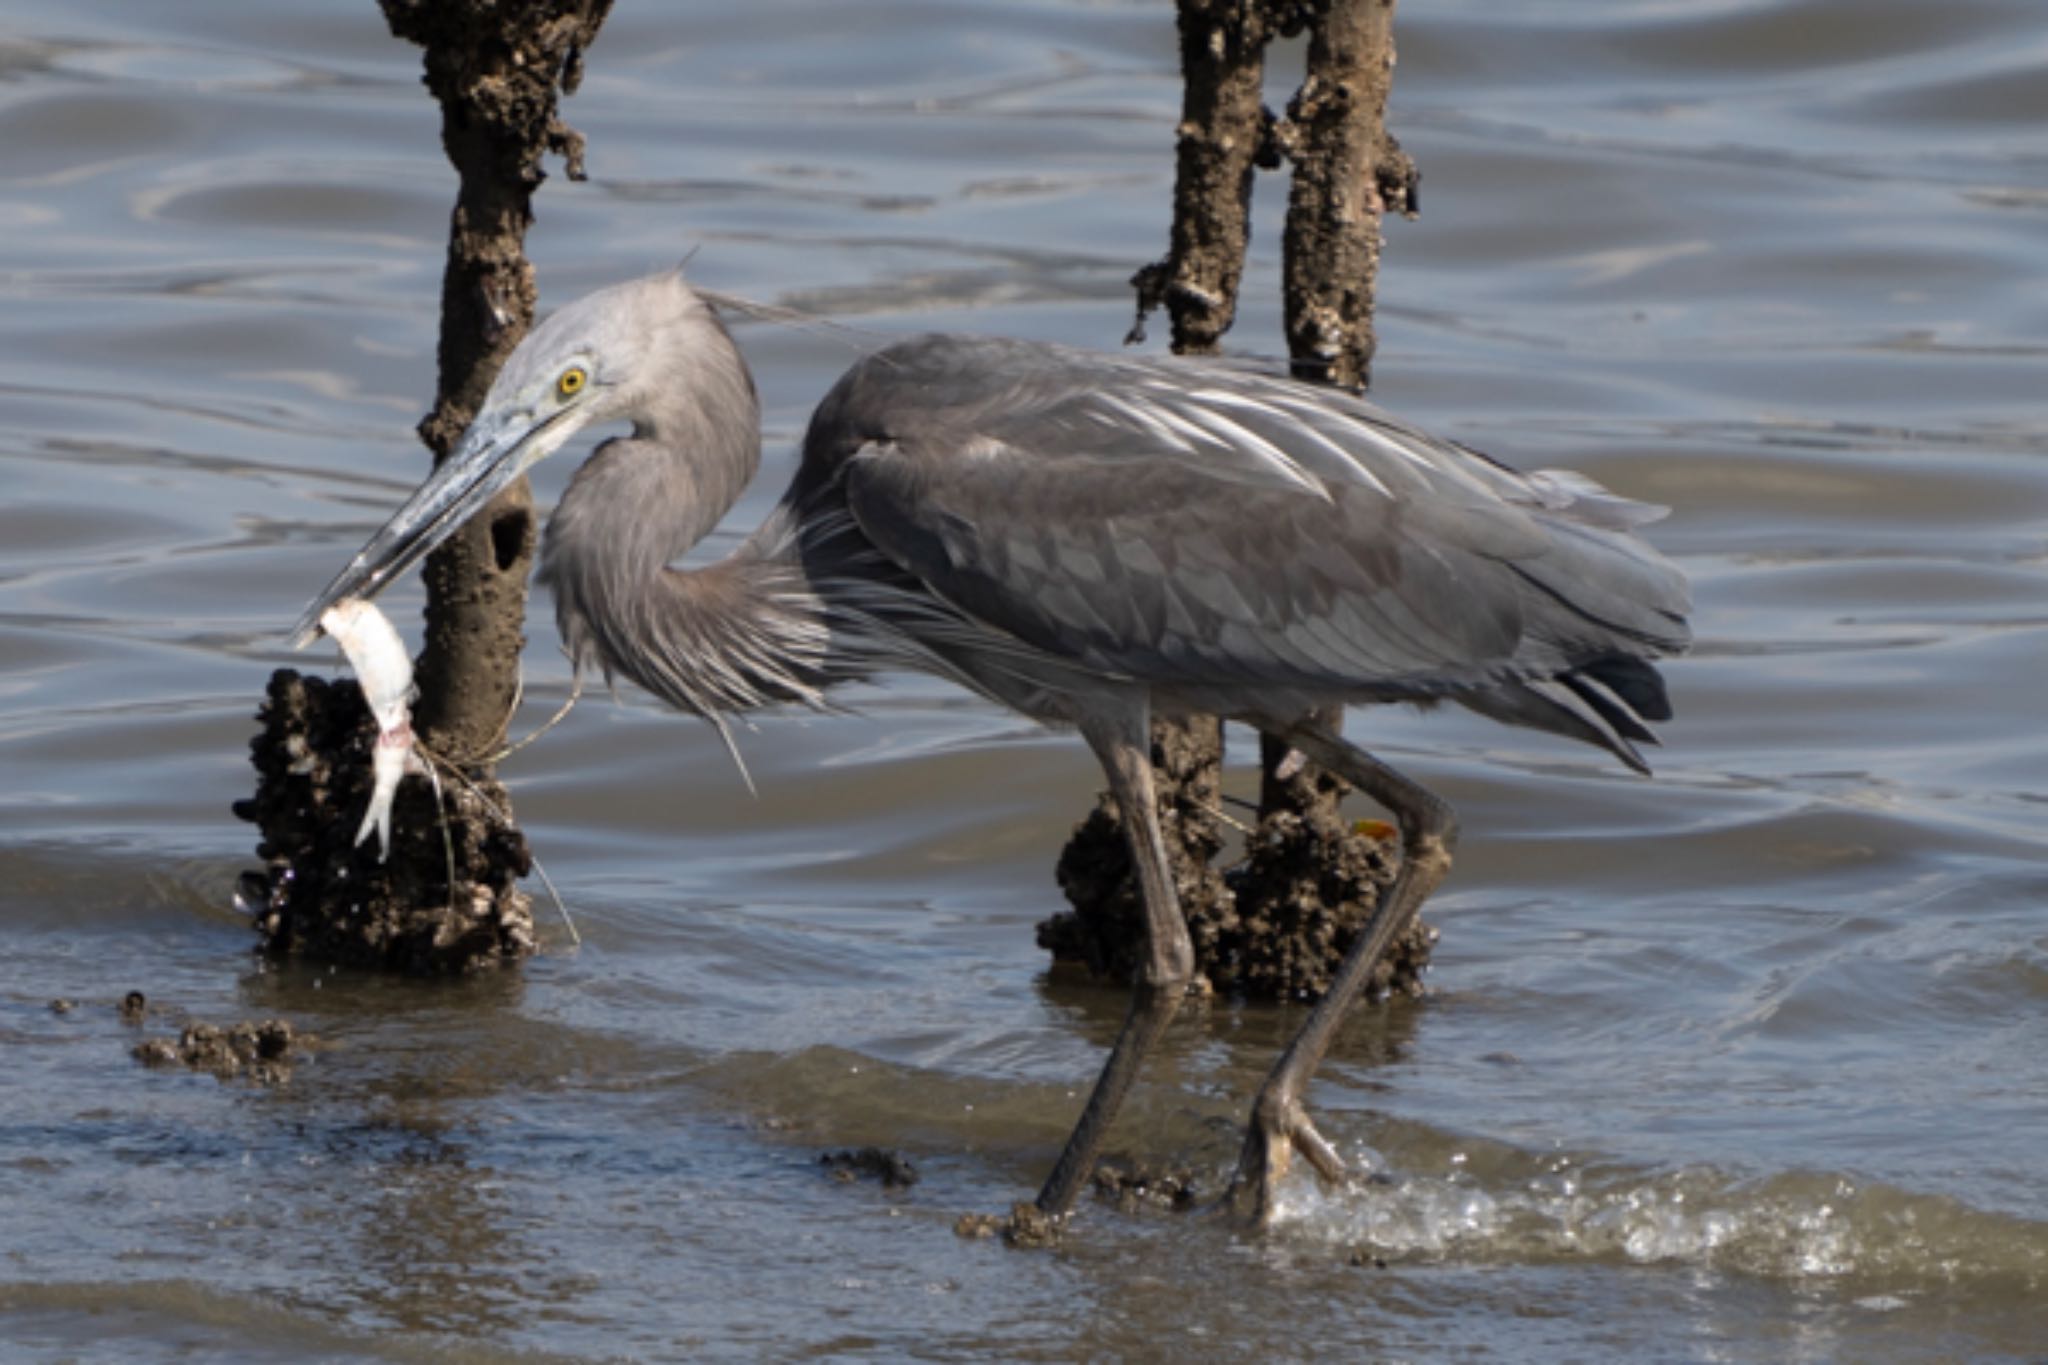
(1235, 540)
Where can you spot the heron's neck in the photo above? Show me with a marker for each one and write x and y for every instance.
(731, 636)
(642, 500)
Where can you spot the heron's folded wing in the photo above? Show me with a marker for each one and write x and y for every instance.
(1153, 566)
(1587, 583)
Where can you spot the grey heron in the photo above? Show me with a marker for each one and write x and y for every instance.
(1090, 539)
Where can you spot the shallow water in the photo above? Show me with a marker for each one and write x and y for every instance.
(1743, 1063)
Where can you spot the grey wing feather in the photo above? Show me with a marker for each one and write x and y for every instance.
(1148, 569)
(1199, 526)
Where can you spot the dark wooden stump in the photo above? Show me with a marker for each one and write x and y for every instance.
(498, 69)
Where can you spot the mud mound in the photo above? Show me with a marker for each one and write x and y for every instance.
(261, 1052)
(892, 1170)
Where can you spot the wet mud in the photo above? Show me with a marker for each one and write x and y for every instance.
(322, 896)
(1137, 1187)
(891, 1170)
(262, 1052)
(133, 1008)
(1025, 1226)
(1127, 1185)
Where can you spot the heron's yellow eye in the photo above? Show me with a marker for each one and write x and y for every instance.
(572, 381)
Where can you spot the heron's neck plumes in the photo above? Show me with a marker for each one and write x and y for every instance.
(735, 635)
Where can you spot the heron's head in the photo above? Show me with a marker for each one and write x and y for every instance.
(596, 361)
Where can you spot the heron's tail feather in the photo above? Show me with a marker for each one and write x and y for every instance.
(1638, 684)
(1585, 704)
(1619, 718)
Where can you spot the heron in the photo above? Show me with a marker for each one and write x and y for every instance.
(1091, 539)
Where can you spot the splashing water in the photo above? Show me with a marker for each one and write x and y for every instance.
(1796, 1226)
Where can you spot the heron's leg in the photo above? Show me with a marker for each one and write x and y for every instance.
(1279, 1123)
(1121, 739)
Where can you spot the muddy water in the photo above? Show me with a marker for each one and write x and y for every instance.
(1746, 1062)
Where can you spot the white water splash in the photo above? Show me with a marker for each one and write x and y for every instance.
(1798, 1226)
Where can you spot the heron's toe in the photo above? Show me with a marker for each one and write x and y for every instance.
(1259, 1168)
(1317, 1151)
(1276, 1133)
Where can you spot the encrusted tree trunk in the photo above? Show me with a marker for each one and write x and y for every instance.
(445, 901)
(1278, 925)
(1222, 140)
(1349, 173)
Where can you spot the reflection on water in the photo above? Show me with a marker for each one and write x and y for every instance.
(1745, 1062)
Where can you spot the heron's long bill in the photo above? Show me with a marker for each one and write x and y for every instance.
(497, 448)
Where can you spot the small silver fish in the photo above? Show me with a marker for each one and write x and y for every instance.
(384, 671)
(378, 657)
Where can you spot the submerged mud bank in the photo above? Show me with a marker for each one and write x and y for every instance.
(259, 1051)
(889, 1169)
(321, 895)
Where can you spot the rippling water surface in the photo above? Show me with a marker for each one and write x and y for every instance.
(1748, 1062)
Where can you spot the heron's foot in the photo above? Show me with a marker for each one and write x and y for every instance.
(1277, 1132)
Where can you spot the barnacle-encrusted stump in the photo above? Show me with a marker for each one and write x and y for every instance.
(1274, 927)
(323, 897)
